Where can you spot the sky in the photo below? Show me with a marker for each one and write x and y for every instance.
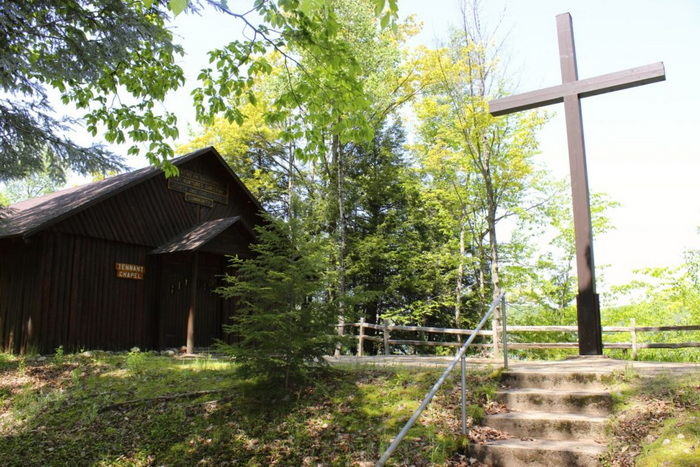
(640, 142)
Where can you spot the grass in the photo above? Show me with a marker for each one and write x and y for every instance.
(141, 409)
(687, 355)
(656, 421)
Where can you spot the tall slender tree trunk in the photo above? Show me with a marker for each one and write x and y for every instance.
(341, 234)
(495, 284)
(460, 274)
(290, 183)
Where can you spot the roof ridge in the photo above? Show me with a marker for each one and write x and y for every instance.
(29, 216)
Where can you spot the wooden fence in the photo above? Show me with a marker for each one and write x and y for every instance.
(634, 330)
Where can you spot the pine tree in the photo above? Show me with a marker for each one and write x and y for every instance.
(284, 323)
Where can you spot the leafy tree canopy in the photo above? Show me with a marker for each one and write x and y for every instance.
(112, 59)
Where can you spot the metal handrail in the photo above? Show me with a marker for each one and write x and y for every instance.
(428, 397)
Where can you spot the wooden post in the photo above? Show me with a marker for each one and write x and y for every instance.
(386, 340)
(193, 304)
(633, 324)
(361, 337)
(504, 329)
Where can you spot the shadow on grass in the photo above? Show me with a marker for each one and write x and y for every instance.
(656, 421)
(126, 411)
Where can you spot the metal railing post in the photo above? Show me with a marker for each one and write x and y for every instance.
(428, 397)
(464, 396)
(505, 331)
(633, 326)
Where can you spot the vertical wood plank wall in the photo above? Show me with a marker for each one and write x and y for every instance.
(60, 287)
(19, 299)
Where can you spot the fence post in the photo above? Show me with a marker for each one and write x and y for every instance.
(386, 339)
(504, 337)
(633, 324)
(361, 337)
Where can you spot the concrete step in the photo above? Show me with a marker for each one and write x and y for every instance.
(562, 401)
(546, 425)
(515, 453)
(578, 381)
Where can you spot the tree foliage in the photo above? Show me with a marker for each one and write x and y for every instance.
(308, 108)
(411, 230)
(478, 168)
(396, 264)
(661, 296)
(543, 280)
(313, 46)
(254, 150)
(36, 184)
(112, 59)
(115, 60)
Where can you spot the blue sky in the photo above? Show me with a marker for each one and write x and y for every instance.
(641, 143)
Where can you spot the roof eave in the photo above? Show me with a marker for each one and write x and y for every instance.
(146, 176)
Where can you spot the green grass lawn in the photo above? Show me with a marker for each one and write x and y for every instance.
(143, 409)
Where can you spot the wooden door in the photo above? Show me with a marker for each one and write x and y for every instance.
(207, 323)
(174, 299)
(175, 296)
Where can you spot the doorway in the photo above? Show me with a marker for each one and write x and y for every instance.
(175, 294)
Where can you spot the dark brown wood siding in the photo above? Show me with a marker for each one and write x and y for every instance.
(234, 241)
(60, 287)
(150, 214)
(84, 304)
(174, 299)
(20, 269)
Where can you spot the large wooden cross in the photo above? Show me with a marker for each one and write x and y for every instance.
(570, 92)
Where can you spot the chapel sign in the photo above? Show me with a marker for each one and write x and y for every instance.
(129, 271)
(199, 189)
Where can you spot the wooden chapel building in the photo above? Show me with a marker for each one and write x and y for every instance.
(131, 260)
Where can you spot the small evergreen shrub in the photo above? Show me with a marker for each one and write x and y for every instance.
(284, 321)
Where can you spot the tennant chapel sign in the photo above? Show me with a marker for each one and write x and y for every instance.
(129, 271)
(199, 189)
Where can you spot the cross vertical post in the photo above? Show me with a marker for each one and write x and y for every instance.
(570, 92)
(587, 303)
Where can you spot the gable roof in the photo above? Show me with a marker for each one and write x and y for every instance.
(33, 215)
(197, 236)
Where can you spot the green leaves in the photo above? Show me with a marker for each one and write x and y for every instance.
(177, 6)
(103, 54)
(386, 15)
(310, 7)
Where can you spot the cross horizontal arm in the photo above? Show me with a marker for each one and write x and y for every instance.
(583, 88)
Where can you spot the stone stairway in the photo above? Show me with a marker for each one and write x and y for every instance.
(554, 418)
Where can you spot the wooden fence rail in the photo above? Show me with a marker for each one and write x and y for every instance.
(634, 345)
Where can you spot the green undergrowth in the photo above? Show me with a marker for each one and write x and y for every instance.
(656, 421)
(142, 409)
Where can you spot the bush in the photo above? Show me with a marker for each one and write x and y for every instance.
(285, 320)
